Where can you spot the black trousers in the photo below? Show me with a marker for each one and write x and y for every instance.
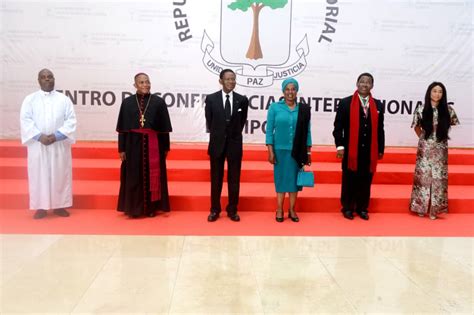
(355, 190)
(234, 165)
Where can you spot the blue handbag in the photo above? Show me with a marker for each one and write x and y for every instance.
(305, 179)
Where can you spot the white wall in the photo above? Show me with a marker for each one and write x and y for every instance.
(94, 49)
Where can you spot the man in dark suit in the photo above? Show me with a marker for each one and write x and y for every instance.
(360, 141)
(226, 114)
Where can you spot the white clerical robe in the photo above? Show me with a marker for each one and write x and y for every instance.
(49, 167)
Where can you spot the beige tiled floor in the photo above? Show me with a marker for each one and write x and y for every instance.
(86, 274)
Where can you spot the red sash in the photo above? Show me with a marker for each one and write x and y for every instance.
(153, 162)
(354, 133)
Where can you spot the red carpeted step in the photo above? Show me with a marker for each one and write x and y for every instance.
(252, 152)
(108, 150)
(110, 222)
(252, 171)
(194, 196)
(96, 173)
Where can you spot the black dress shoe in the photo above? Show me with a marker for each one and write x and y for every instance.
(348, 215)
(152, 214)
(294, 217)
(279, 219)
(61, 212)
(213, 217)
(234, 217)
(364, 215)
(39, 214)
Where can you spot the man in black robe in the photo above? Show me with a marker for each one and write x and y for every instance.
(143, 142)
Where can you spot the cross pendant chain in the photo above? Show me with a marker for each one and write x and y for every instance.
(142, 114)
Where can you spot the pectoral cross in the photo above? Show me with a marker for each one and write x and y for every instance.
(142, 121)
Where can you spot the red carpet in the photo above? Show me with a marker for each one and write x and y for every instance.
(194, 196)
(110, 222)
(96, 174)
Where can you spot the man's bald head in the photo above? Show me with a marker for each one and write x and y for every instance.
(142, 83)
(46, 80)
(140, 74)
(44, 71)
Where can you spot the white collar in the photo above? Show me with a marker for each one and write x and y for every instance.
(224, 93)
(46, 93)
(362, 99)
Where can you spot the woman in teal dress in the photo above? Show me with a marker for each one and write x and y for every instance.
(288, 139)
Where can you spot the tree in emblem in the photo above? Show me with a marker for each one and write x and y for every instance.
(255, 51)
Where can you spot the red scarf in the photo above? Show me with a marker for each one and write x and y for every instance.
(354, 133)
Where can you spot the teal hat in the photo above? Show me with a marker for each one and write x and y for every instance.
(288, 81)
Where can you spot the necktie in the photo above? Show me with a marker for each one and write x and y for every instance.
(365, 106)
(227, 108)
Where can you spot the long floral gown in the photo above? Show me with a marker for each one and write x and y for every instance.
(430, 184)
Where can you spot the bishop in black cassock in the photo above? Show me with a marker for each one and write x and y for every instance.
(143, 128)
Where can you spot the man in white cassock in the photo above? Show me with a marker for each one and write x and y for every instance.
(48, 123)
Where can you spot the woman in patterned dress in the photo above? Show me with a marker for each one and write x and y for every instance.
(432, 122)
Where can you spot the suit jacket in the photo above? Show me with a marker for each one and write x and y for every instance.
(342, 130)
(222, 134)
